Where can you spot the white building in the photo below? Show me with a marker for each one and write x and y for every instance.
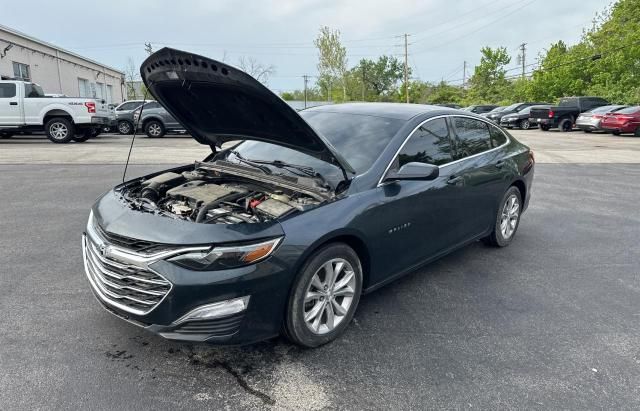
(57, 70)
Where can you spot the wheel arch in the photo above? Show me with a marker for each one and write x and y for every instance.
(146, 121)
(521, 186)
(57, 112)
(348, 237)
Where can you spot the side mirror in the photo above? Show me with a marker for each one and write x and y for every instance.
(414, 171)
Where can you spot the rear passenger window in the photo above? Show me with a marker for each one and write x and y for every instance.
(7, 90)
(497, 137)
(429, 144)
(473, 136)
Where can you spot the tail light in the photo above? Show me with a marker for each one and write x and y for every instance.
(598, 116)
(91, 107)
(551, 114)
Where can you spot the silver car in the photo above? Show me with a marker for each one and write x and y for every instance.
(590, 120)
(155, 120)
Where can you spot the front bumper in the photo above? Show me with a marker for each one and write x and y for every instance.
(265, 286)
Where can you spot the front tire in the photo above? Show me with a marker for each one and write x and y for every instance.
(124, 127)
(525, 125)
(324, 296)
(154, 129)
(507, 219)
(86, 135)
(60, 130)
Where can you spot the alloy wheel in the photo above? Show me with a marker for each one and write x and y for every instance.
(124, 128)
(329, 296)
(155, 130)
(58, 131)
(525, 125)
(509, 216)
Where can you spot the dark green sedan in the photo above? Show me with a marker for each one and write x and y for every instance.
(285, 229)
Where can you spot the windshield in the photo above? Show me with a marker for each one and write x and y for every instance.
(512, 107)
(568, 102)
(358, 138)
(629, 110)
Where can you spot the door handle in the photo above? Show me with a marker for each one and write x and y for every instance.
(454, 180)
(500, 164)
(13, 103)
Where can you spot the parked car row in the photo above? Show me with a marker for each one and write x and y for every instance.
(155, 121)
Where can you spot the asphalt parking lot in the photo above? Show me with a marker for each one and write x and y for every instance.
(549, 322)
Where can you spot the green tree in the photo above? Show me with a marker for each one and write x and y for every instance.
(332, 60)
(381, 77)
(488, 82)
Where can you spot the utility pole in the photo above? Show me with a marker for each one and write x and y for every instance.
(523, 51)
(406, 66)
(148, 48)
(363, 80)
(306, 78)
(464, 74)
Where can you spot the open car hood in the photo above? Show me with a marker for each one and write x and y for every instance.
(217, 103)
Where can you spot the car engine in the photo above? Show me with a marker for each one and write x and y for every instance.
(212, 198)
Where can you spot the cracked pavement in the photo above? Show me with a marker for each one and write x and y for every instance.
(549, 322)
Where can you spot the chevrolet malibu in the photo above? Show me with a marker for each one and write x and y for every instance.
(300, 214)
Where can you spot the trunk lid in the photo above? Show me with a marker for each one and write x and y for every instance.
(217, 103)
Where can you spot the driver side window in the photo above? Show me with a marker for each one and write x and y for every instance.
(429, 144)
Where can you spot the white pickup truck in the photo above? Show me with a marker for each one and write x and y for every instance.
(24, 107)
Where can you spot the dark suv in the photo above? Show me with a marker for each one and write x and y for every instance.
(479, 109)
(156, 120)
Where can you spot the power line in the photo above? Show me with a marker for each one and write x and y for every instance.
(477, 29)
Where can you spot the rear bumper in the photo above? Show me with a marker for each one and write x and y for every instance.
(100, 120)
(549, 122)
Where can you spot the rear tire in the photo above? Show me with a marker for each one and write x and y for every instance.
(544, 127)
(565, 125)
(60, 130)
(154, 129)
(525, 125)
(507, 219)
(313, 293)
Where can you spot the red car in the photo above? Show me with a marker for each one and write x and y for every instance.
(624, 121)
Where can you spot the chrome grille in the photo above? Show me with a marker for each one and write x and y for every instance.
(139, 290)
(120, 276)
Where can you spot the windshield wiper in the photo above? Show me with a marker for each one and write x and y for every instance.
(306, 170)
(253, 163)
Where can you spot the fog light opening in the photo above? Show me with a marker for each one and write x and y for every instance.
(215, 310)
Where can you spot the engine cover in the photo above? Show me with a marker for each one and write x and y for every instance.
(198, 190)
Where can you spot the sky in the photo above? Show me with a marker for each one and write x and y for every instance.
(442, 34)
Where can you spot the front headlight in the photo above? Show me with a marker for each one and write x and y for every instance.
(221, 258)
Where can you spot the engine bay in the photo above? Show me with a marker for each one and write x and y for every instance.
(205, 196)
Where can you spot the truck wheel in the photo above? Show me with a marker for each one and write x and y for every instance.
(154, 129)
(124, 127)
(566, 124)
(59, 130)
(525, 125)
(86, 135)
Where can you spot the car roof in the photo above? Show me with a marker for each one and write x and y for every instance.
(401, 111)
